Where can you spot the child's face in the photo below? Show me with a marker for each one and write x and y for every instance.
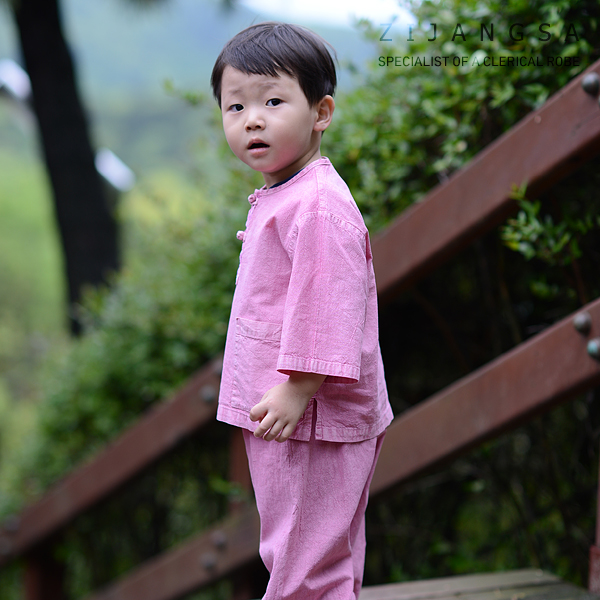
(269, 124)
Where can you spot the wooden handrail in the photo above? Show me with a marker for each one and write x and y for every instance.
(550, 367)
(198, 562)
(542, 148)
(151, 437)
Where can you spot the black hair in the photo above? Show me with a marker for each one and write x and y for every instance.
(272, 48)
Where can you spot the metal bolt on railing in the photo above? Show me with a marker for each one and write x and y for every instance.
(208, 393)
(5, 546)
(219, 539)
(12, 523)
(208, 561)
(591, 84)
(593, 348)
(582, 322)
(217, 366)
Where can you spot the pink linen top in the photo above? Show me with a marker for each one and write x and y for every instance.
(306, 300)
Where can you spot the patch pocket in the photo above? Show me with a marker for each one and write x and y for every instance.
(255, 365)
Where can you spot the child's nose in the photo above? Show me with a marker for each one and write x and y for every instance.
(254, 120)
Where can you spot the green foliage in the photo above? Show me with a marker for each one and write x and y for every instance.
(191, 97)
(555, 244)
(30, 303)
(405, 129)
(28, 245)
(166, 315)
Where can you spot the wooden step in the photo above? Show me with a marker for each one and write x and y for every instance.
(530, 584)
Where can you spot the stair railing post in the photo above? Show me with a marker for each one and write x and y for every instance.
(594, 569)
(44, 576)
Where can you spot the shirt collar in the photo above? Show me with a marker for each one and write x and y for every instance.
(323, 160)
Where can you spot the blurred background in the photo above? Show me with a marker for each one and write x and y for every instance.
(119, 203)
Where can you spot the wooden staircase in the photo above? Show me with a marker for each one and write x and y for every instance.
(526, 584)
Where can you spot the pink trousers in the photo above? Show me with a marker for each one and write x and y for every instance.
(311, 498)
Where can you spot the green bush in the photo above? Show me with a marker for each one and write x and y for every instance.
(164, 317)
(405, 129)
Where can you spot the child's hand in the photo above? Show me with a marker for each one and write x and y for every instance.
(282, 406)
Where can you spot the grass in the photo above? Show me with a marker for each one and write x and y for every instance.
(31, 290)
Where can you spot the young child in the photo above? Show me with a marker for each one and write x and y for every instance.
(302, 363)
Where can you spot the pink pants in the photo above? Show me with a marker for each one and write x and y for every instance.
(312, 497)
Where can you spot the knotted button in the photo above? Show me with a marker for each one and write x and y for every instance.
(240, 235)
(252, 198)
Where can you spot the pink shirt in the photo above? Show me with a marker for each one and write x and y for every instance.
(306, 300)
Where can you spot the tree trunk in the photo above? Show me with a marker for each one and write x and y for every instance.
(88, 229)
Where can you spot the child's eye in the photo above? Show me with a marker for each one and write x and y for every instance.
(236, 107)
(273, 102)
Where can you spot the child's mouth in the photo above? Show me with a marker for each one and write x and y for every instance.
(258, 149)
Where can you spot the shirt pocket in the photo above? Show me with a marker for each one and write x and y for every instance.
(255, 364)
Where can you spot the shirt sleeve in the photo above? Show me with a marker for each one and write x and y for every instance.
(326, 303)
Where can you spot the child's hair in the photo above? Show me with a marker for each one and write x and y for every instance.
(271, 48)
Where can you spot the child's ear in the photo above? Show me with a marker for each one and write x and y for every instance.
(325, 108)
